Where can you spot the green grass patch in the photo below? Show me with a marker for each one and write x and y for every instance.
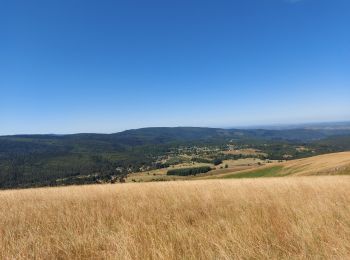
(175, 160)
(266, 172)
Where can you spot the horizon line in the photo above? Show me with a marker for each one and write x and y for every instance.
(273, 126)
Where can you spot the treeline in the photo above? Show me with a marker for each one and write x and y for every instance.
(189, 171)
(215, 161)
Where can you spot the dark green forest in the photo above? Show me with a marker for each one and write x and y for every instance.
(189, 171)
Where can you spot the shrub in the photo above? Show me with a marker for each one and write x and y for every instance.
(200, 160)
(217, 161)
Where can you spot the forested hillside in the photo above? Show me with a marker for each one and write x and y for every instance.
(37, 160)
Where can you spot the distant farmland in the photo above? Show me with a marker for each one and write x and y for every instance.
(327, 164)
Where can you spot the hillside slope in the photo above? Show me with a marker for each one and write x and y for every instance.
(326, 164)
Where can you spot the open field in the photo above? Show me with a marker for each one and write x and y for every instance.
(268, 218)
(327, 164)
(161, 174)
(249, 151)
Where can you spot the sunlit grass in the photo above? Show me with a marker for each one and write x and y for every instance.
(265, 172)
(266, 218)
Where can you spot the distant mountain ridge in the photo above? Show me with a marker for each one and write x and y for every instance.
(340, 125)
(311, 131)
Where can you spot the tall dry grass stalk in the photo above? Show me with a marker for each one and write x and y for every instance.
(306, 217)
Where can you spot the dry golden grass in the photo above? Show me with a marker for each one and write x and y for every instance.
(327, 164)
(247, 151)
(271, 218)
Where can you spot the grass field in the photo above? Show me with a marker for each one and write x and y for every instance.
(266, 218)
(161, 174)
(272, 171)
(327, 164)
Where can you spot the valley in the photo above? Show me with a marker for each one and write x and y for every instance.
(147, 154)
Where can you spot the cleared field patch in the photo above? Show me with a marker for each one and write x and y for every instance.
(266, 218)
(272, 171)
(161, 174)
(248, 151)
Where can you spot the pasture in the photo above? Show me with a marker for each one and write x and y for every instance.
(265, 218)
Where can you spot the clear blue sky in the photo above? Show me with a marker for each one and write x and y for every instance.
(71, 66)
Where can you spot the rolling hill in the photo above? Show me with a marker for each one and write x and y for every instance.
(326, 164)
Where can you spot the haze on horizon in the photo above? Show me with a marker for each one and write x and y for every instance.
(105, 66)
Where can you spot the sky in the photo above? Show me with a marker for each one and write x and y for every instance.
(69, 66)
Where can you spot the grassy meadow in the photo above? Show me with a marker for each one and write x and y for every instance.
(326, 164)
(266, 218)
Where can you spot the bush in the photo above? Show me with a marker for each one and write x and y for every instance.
(189, 171)
(217, 161)
(200, 160)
